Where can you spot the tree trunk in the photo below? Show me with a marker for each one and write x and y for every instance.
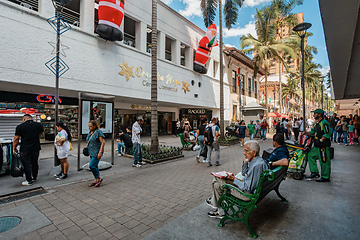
(266, 96)
(222, 122)
(280, 87)
(154, 112)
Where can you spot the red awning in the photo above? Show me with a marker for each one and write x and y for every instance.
(273, 114)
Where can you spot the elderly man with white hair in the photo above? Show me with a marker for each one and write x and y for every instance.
(246, 180)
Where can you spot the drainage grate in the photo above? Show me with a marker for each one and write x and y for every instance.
(21, 195)
(7, 223)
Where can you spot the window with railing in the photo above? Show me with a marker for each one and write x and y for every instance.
(148, 39)
(183, 50)
(129, 31)
(71, 13)
(29, 4)
(168, 46)
(249, 86)
(233, 78)
(242, 84)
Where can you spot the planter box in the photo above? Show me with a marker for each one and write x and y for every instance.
(229, 142)
(157, 160)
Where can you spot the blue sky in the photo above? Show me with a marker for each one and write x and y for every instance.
(246, 23)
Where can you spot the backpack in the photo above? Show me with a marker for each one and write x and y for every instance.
(208, 136)
(282, 127)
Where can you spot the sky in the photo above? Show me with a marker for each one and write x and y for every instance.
(246, 23)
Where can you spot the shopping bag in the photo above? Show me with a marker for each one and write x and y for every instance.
(16, 166)
(203, 152)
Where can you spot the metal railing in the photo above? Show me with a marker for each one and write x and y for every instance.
(129, 40)
(71, 16)
(29, 4)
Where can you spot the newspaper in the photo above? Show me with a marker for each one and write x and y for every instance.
(222, 174)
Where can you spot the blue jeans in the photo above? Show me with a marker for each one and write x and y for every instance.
(263, 133)
(251, 136)
(121, 147)
(335, 136)
(202, 145)
(94, 166)
(137, 153)
(345, 135)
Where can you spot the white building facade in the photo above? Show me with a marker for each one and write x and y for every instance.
(120, 69)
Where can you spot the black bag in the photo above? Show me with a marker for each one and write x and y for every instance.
(338, 128)
(86, 151)
(16, 166)
(203, 152)
(208, 136)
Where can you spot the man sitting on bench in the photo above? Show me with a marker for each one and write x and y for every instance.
(280, 156)
(246, 180)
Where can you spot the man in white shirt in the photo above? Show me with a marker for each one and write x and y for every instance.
(136, 131)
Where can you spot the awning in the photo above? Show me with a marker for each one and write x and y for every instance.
(273, 114)
(253, 106)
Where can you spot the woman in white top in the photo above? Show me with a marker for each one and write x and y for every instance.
(62, 144)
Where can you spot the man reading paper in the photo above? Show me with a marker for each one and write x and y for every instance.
(246, 180)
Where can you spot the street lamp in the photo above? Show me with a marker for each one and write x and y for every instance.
(300, 29)
(274, 98)
(322, 92)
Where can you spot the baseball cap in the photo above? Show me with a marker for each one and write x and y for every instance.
(319, 110)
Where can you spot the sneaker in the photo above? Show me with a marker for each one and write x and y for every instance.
(34, 179)
(119, 154)
(142, 163)
(215, 215)
(209, 164)
(240, 144)
(208, 202)
(197, 159)
(26, 183)
(58, 175)
(139, 166)
(134, 165)
(62, 177)
(313, 175)
(205, 161)
(346, 144)
(217, 163)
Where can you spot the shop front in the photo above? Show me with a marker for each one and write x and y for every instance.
(44, 104)
(194, 115)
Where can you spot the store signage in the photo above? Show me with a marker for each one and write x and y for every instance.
(196, 111)
(135, 106)
(46, 98)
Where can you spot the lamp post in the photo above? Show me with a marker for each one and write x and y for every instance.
(322, 92)
(274, 97)
(300, 29)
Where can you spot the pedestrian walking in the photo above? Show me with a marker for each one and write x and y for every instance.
(136, 131)
(62, 145)
(290, 127)
(251, 129)
(321, 149)
(264, 129)
(296, 129)
(241, 132)
(357, 128)
(344, 130)
(333, 122)
(178, 127)
(29, 132)
(201, 138)
(96, 145)
(351, 132)
(258, 129)
(214, 129)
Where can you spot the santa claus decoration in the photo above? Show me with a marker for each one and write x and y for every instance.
(111, 15)
(204, 50)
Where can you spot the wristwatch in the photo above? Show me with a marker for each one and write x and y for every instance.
(270, 163)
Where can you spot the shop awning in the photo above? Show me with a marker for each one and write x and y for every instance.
(253, 106)
(273, 114)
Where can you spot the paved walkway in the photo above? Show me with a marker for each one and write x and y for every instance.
(166, 201)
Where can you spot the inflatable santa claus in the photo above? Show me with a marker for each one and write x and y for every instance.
(111, 14)
(204, 50)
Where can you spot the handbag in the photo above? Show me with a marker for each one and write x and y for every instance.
(16, 166)
(86, 149)
(203, 152)
(338, 128)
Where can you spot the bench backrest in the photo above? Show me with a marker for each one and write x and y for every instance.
(181, 135)
(269, 180)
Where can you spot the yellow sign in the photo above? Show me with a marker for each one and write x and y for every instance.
(126, 70)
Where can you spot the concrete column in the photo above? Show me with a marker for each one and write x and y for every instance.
(46, 8)
(175, 52)
(140, 35)
(87, 16)
(189, 58)
(161, 45)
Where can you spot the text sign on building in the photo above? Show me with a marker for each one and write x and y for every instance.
(196, 111)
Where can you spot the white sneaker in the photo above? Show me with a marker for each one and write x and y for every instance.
(119, 154)
(205, 161)
(26, 183)
(138, 165)
(143, 163)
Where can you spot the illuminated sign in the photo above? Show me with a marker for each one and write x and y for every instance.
(42, 98)
(196, 111)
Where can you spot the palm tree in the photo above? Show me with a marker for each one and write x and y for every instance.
(266, 47)
(292, 89)
(283, 18)
(154, 112)
(208, 8)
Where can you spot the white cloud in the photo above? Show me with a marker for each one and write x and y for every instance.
(324, 70)
(229, 45)
(253, 3)
(192, 8)
(237, 32)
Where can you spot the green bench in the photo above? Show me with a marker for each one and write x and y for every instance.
(186, 145)
(239, 210)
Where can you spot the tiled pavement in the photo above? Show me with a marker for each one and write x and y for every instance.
(129, 205)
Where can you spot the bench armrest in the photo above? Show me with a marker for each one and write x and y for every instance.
(229, 186)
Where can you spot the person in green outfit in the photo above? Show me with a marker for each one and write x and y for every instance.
(321, 149)
(251, 129)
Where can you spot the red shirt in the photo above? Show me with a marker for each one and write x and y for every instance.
(264, 125)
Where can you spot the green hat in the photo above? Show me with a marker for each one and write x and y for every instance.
(319, 110)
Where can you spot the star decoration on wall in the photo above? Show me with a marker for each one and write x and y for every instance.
(127, 71)
(61, 49)
(185, 86)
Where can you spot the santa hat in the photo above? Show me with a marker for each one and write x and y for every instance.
(212, 27)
